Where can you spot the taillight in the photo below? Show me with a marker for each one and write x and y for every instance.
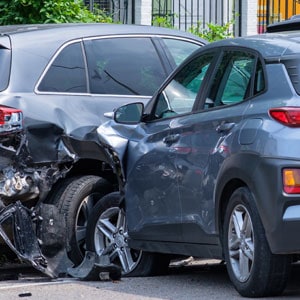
(289, 116)
(291, 181)
(11, 119)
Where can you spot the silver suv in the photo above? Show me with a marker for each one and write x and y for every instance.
(210, 168)
(56, 82)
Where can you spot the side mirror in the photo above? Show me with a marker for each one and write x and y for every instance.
(129, 114)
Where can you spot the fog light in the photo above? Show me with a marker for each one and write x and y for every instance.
(291, 181)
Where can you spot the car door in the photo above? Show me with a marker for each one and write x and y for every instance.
(207, 139)
(153, 205)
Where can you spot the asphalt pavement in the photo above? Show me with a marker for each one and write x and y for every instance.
(186, 281)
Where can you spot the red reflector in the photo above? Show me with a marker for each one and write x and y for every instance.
(289, 116)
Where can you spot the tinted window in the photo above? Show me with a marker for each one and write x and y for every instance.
(124, 66)
(180, 49)
(67, 72)
(293, 69)
(180, 94)
(232, 82)
(5, 58)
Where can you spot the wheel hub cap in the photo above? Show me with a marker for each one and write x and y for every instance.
(120, 240)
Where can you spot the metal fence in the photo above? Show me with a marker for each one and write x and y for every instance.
(118, 9)
(184, 14)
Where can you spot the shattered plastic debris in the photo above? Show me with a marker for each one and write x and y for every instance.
(95, 267)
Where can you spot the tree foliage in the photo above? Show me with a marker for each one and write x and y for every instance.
(163, 21)
(213, 32)
(48, 11)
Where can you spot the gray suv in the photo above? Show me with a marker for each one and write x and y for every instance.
(210, 168)
(56, 83)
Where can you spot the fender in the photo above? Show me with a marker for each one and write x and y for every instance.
(115, 147)
(261, 175)
(237, 170)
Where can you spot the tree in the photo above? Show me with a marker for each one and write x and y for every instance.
(48, 11)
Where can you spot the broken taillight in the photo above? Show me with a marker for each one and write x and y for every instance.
(11, 119)
(289, 116)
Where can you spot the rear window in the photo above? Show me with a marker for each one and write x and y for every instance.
(5, 59)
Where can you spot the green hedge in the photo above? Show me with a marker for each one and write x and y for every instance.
(48, 11)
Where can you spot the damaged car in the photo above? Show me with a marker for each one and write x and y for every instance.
(210, 167)
(56, 83)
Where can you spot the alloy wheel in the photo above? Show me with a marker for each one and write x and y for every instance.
(241, 243)
(111, 238)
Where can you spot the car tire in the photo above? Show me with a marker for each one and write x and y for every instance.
(107, 232)
(252, 268)
(75, 199)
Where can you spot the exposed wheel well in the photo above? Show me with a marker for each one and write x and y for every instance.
(92, 167)
(85, 167)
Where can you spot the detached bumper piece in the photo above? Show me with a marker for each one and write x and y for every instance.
(16, 221)
(37, 242)
(95, 267)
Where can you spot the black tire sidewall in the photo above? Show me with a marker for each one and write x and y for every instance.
(69, 201)
(108, 201)
(262, 280)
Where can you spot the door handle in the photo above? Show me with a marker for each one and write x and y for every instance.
(225, 127)
(171, 139)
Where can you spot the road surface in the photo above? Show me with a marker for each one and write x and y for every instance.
(196, 280)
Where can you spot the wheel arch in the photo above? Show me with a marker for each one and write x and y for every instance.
(236, 172)
(84, 167)
(94, 157)
(225, 195)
